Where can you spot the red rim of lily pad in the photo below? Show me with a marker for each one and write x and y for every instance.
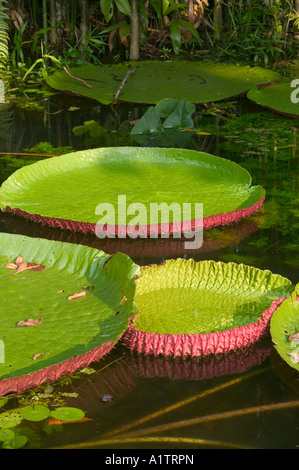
(86, 331)
(154, 248)
(209, 222)
(202, 368)
(52, 373)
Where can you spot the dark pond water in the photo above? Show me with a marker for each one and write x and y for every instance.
(247, 399)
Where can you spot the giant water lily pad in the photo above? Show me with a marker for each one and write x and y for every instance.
(152, 81)
(280, 97)
(188, 308)
(66, 191)
(285, 330)
(46, 331)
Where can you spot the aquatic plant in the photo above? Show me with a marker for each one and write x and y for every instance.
(175, 171)
(285, 330)
(196, 82)
(66, 278)
(4, 37)
(194, 309)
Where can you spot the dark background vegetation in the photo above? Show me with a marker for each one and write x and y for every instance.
(259, 32)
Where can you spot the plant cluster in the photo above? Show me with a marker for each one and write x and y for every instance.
(258, 32)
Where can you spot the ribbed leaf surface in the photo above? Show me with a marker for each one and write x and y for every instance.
(67, 328)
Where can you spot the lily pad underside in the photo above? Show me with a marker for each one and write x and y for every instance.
(280, 97)
(151, 81)
(47, 330)
(187, 308)
(284, 330)
(121, 188)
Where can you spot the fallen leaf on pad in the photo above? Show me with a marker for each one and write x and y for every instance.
(30, 322)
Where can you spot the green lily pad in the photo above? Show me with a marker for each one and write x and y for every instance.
(197, 82)
(196, 308)
(176, 115)
(35, 412)
(280, 97)
(68, 413)
(63, 333)
(103, 80)
(67, 191)
(284, 324)
(16, 443)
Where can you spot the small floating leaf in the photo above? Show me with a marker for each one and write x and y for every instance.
(35, 413)
(10, 419)
(278, 97)
(6, 435)
(16, 443)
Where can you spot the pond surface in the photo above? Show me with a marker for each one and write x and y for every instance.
(246, 399)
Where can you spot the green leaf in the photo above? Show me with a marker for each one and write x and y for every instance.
(112, 28)
(175, 35)
(221, 185)
(123, 6)
(16, 443)
(165, 5)
(3, 401)
(92, 127)
(284, 323)
(180, 116)
(191, 297)
(153, 81)
(185, 24)
(282, 97)
(6, 435)
(10, 419)
(35, 413)
(67, 413)
(166, 106)
(69, 328)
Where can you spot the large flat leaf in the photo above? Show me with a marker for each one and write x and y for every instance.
(285, 330)
(103, 81)
(69, 329)
(282, 97)
(195, 308)
(70, 188)
(197, 82)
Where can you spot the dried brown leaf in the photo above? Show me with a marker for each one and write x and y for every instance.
(11, 266)
(30, 322)
(19, 260)
(35, 356)
(22, 267)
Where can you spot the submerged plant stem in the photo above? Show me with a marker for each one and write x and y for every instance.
(216, 417)
(183, 403)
